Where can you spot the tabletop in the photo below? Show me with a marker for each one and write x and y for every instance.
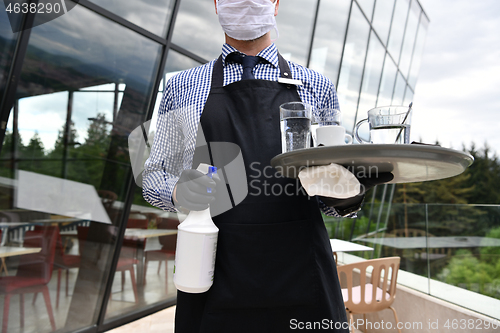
(339, 245)
(10, 251)
(148, 233)
(134, 232)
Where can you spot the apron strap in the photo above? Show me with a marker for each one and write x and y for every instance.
(218, 71)
(285, 71)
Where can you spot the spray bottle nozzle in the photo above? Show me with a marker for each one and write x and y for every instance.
(212, 170)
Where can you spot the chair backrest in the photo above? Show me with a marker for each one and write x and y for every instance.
(168, 243)
(39, 265)
(375, 294)
(137, 223)
(82, 233)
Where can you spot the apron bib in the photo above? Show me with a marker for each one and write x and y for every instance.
(274, 262)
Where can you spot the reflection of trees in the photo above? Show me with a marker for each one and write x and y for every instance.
(84, 162)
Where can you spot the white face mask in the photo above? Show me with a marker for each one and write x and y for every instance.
(246, 19)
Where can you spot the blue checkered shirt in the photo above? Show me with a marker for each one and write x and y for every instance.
(180, 111)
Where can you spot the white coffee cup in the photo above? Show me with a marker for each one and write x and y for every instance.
(332, 136)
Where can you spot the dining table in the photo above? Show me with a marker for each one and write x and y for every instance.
(339, 245)
(11, 251)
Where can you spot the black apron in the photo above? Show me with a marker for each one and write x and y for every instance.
(274, 269)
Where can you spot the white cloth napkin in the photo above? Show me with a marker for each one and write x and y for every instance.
(331, 180)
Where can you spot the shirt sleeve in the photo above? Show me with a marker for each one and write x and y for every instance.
(164, 165)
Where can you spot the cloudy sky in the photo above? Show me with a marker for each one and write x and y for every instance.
(457, 98)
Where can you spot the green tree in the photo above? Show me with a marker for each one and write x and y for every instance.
(467, 271)
(12, 149)
(34, 155)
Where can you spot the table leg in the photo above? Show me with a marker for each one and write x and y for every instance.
(3, 267)
(140, 270)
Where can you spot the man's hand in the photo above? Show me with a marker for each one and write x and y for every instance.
(192, 190)
(367, 182)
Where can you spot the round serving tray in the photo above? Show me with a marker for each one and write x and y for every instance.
(409, 163)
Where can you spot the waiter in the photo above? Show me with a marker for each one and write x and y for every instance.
(274, 269)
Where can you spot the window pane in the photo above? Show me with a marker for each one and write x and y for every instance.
(398, 28)
(295, 22)
(419, 49)
(408, 96)
(367, 7)
(197, 29)
(352, 67)
(329, 37)
(387, 83)
(399, 90)
(409, 40)
(371, 77)
(382, 18)
(154, 15)
(7, 46)
(81, 92)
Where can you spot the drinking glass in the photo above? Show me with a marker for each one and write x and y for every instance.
(295, 118)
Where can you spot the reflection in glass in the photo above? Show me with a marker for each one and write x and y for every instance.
(382, 18)
(197, 29)
(371, 76)
(408, 96)
(399, 90)
(7, 46)
(78, 97)
(387, 83)
(366, 7)
(409, 40)
(352, 67)
(154, 15)
(329, 38)
(419, 50)
(398, 28)
(295, 22)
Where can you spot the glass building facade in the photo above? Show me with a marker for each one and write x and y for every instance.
(75, 89)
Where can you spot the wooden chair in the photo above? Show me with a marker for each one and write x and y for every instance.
(62, 261)
(376, 294)
(33, 273)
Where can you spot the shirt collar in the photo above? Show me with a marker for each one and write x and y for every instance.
(270, 53)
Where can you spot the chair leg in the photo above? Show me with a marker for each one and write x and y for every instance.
(396, 317)
(159, 265)
(48, 305)
(34, 298)
(123, 280)
(67, 280)
(21, 310)
(364, 321)
(134, 285)
(351, 321)
(58, 287)
(6, 304)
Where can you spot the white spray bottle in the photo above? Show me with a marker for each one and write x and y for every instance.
(196, 248)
